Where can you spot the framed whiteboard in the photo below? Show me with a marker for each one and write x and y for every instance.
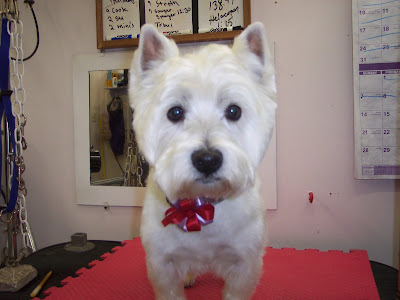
(186, 21)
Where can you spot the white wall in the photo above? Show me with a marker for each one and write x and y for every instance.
(315, 133)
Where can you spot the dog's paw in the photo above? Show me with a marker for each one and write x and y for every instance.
(189, 281)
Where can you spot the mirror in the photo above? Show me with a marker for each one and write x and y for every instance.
(114, 156)
(94, 156)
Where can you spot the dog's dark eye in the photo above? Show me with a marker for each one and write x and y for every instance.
(176, 114)
(233, 112)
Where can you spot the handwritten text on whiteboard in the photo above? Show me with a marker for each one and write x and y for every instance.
(121, 19)
(220, 14)
(170, 17)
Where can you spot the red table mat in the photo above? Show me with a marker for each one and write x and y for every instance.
(288, 274)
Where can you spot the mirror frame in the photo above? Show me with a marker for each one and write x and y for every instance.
(87, 194)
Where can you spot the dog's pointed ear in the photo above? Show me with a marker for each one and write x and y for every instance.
(251, 48)
(154, 47)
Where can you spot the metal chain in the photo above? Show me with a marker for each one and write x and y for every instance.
(134, 164)
(139, 169)
(133, 167)
(127, 173)
(18, 99)
(9, 9)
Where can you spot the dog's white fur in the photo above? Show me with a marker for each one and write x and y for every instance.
(204, 84)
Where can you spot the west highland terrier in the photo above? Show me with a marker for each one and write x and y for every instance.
(203, 122)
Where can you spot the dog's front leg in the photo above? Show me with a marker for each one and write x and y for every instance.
(166, 281)
(242, 280)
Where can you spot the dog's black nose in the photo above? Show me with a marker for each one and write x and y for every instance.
(207, 161)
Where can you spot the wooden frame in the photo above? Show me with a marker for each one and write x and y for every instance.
(186, 38)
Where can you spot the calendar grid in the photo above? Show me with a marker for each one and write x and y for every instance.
(376, 66)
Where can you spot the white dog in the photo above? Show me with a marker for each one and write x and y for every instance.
(203, 122)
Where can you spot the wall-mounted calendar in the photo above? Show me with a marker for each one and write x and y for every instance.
(376, 67)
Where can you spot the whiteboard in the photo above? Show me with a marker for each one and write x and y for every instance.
(215, 16)
(121, 19)
(376, 68)
(170, 17)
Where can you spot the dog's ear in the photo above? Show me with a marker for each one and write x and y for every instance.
(252, 49)
(154, 47)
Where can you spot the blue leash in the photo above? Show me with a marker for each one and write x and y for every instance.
(5, 106)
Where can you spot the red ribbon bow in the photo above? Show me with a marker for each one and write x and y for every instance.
(187, 210)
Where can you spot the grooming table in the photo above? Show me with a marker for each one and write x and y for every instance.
(288, 274)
